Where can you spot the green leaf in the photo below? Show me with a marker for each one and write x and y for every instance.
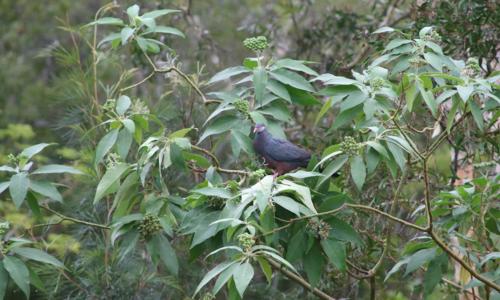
(106, 21)
(428, 98)
(332, 168)
(113, 37)
(335, 251)
(266, 269)
(104, 145)
(214, 272)
(223, 278)
(56, 169)
(301, 97)
(296, 246)
(30, 151)
(242, 277)
(214, 192)
(396, 267)
(383, 29)
(295, 65)
(111, 176)
(227, 73)
(133, 11)
(301, 174)
(18, 272)
(38, 255)
(4, 280)
(342, 231)
(167, 30)
(434, 60)
(465, 91)
(378, 147)
(288, 204)
(314, 264)
(46, 189)
(477, 115)
(4, 186)
(243, 140)
(490, 256)
(123, 104)
(123, 142)
(324, 109)
(167, 254)
(158, 13)
(347, 116)
(222, 124)
(292, 79)
(125, 34)
(303, 191)
(7, 169)
(396, 43)
(432, 276)
(18, 188)
(358, 171)
(259, 82)
(419, 259)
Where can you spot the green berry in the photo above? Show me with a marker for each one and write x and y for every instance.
(139, 108)
(242, 106)
(349, 146)
(377, 83)
(246, 241)
(256, 43)
(149, 226)
(4, 227)
(109, 105)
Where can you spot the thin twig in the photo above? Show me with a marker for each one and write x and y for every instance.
(66, 218)
(396, 219)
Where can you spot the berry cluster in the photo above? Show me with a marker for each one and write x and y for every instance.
(149, 225)
(242, 106)
(319, 229)
(376, 83)
(215, 203)
(4, 227)
(432, 36)
(257, 174)
(256, 43)
(472, 68)
(349, 146)
(246, 241)
(139, 108)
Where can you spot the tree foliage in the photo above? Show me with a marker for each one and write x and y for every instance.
(377, 201)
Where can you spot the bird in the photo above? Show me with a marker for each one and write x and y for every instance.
(280, 155)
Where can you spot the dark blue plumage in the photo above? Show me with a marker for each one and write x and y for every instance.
(280, 155)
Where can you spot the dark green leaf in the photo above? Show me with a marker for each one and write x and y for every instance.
(259, 82)
(111, 176)
(214, 272)
(292, 79)
(314, 264)
(167, 254)
(227, 73)
(358, 171)
(335, 251)
(295, 65)
(18, 272)
(38, 255)
(56, 169)
(419, 259)
(222, 124)
(105, 144)
(4, 280)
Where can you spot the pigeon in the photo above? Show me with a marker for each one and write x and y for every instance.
(280, 155)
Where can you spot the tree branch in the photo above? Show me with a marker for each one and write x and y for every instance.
(299, 280)
(66, 218)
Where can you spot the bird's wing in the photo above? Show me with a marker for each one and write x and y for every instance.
(282, 150)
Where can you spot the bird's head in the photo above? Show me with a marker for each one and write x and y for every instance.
(259, 128)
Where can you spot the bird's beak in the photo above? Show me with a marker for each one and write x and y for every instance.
(254, 129)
